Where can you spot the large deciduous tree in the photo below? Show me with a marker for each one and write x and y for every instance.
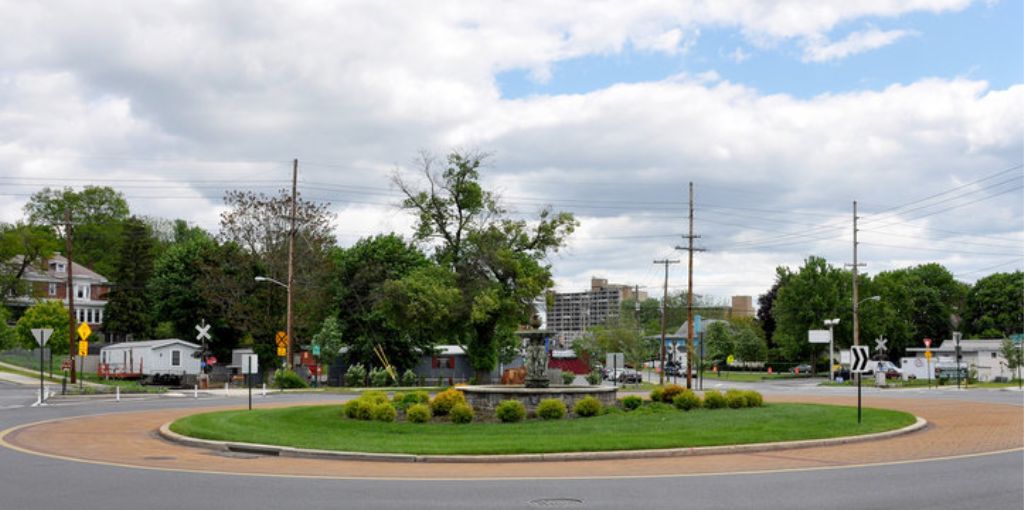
(996, 302)
(97, 214)
(47, 315)
(496, 262)
(22, 247)
(129, 309)
(815, 292)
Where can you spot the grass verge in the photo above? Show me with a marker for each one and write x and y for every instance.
(322, 427)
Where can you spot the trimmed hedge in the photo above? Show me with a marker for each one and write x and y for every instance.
(713, 399)
(444, 401)
(687, 400)
(587, 407)
(632, 403)
(461, 413)
(418, 413)
(510, 411)
(551, 409)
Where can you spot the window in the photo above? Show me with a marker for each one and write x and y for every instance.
(57, 267)
(82, 291)
(51, 289)
(993, 355)
(175, 358)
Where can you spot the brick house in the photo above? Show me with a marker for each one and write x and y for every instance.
(48, 281)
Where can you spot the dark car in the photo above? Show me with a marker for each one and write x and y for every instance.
(803, 369)
(628, 375)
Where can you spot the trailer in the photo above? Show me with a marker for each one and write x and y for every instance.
(165, 361)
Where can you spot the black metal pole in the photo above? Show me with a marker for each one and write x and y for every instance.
(248, 378)
(859, 375)
(41, 391)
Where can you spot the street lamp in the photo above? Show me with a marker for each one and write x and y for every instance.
(831, 323)
(288, 319)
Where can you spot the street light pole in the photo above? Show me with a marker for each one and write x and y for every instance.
(831, 323)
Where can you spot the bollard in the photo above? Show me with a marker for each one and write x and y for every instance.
(117, 391)
(264, 392)
(226, 392)
(195, 391)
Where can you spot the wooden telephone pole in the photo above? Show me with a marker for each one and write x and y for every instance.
(689, 294)
(664, 305)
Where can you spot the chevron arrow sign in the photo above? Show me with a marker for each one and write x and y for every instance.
(860, 359)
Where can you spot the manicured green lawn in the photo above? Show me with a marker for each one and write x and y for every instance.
(323, 427)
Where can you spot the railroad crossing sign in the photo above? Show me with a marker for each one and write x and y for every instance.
(83, 348)
(281, 339)
(204, 331)
(42, 335)
(880, 344)
(860, 359)
(84, 331)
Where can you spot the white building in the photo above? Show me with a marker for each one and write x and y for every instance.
(90, 289)
(152, 359)
(984, 356)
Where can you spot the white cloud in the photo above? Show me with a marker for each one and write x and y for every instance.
(819, 49)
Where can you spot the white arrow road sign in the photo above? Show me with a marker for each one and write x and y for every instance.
(204, 331)
(42, 336)
(860, 359)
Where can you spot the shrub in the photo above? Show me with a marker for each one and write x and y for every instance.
(355, 376)
(670, 391)
(713, 399)
(418, 413)
(568, 378)
(286, 379)
(461, 413)
(416, 397)
(379, 377)
(657, 393)
(754, 399)
(444, 401)
(612, 410)
(587, 407)
(686, 400)
(374, 397)
(384, 411)
(632, 402)
(409, 378)
(735, 399)
(510, 411)
(594, 378)
(354, 410)
(551, 409)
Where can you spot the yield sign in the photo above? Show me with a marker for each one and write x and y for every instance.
(42, 336)
(927, 342)
(204, 331)
(860, 359)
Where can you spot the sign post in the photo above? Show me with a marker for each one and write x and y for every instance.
(83, 350)
(41, 336)
(859, 366)
(250, 365)
(928, 359)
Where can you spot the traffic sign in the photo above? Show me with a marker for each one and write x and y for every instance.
(204, 331)
(83, 348)
(860, 359)
(84, 331)
(65, 364)
(730, 359)
(818, 336)
(927, 342)
(281, 339)
(880, 344)
(316, 349)
(281, 351)
(212, 360)
(928, 355)
(250, 364)
(42, 335)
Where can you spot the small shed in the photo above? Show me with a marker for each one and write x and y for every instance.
(152, 360)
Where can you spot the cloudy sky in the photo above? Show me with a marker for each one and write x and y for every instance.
(781, 113)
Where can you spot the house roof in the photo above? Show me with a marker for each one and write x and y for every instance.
(78, 271)
(152, 344)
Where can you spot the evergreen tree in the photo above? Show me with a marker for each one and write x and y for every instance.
(129, 308)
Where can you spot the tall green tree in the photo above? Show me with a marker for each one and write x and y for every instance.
(44, 314)
(765, 313)
(916, 303)
(815, 292)
(358, 279)
(97, 213)
(129, 306)
(996, 302)
(497, 262)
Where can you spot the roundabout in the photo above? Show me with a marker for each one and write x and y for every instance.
(956, 429)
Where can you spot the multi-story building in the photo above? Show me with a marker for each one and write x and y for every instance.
(90, 289)
(574, 312)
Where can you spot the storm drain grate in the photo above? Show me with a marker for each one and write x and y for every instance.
(556, 503)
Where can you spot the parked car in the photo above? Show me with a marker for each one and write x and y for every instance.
(626, 375)
(890, 369)
(803, 369)
(676, 369)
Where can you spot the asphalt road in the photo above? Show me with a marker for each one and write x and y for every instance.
(33, 482)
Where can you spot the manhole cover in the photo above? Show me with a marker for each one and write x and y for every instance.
(556, 503)
(159, 457)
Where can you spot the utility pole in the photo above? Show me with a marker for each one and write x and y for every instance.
(856, 303)
(291, 264)
(664, 306)
(689, 294)
(68, 243)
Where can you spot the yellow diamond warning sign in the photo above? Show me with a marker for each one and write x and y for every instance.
(84, 331)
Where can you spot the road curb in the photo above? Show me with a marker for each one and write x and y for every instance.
(284, 451)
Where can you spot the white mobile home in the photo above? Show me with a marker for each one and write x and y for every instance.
(152, 360)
